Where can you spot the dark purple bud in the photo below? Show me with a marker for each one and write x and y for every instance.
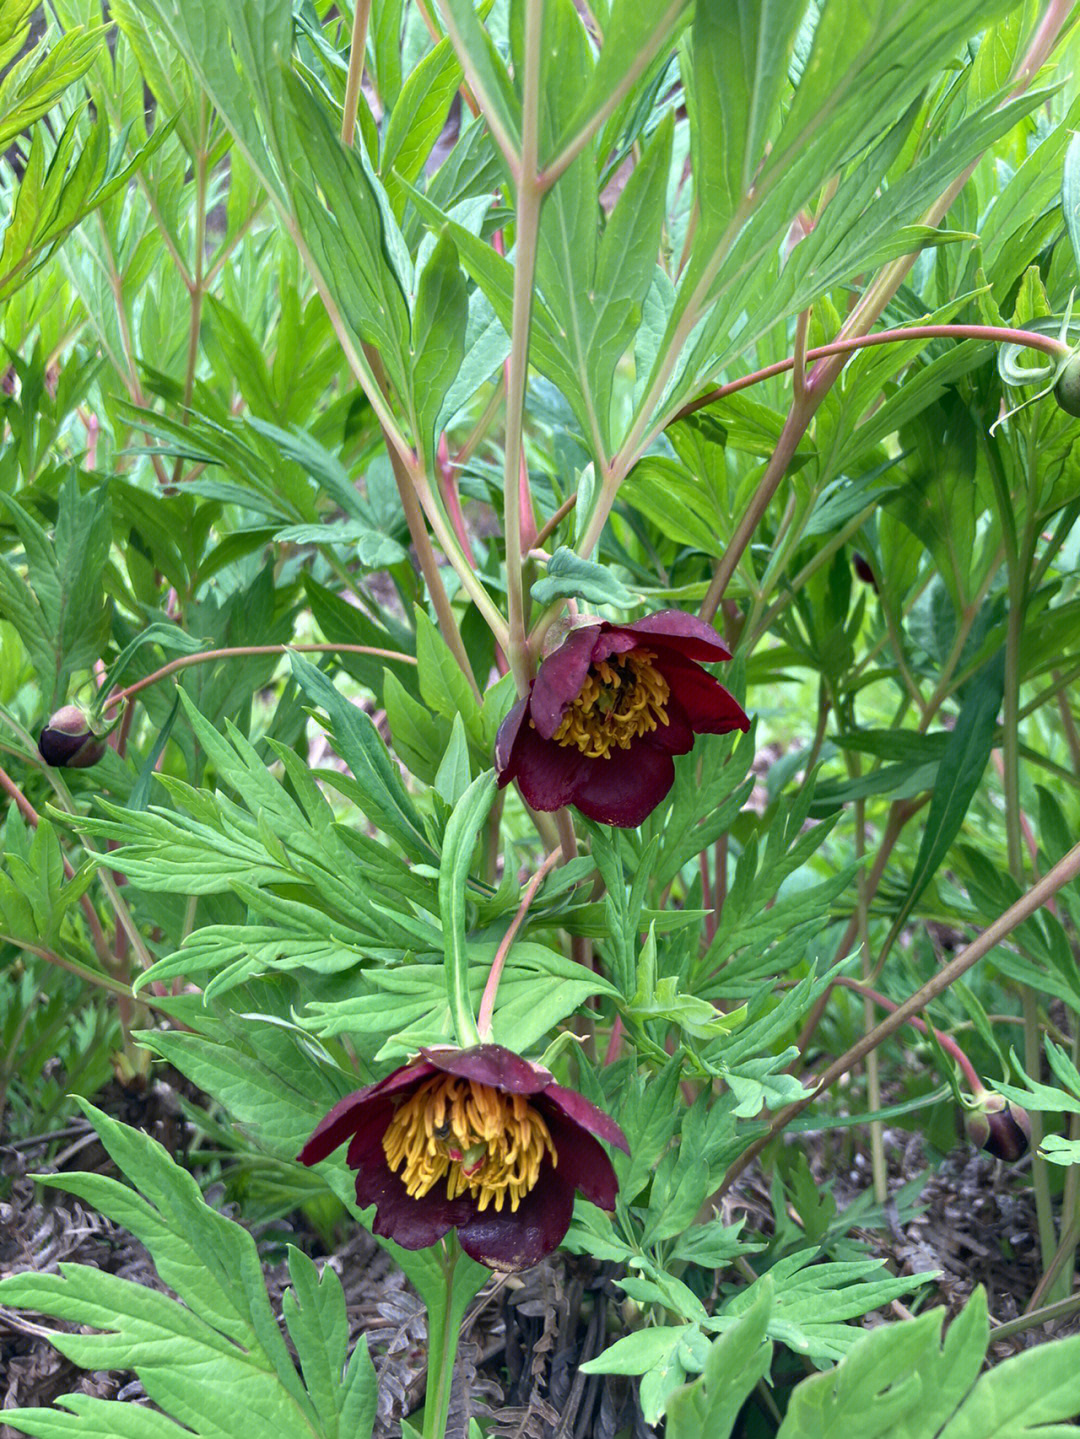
(862, 569)
(1000, 1127)
(68, 742)
(1067, 389)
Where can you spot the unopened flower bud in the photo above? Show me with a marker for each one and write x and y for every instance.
(1067, 389)
(1000, 1127)
(862, 569)
(68, 742)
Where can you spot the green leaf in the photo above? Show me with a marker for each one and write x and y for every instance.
(419, 738)
(487, 71)
(1031, 1393)
(385, 797)
(1070, 198)
(453, 775)
(539, 988)
(200, 30)
(625, 267)
(385, 42)
(812, 1302)
(899, 1380)
(314, 1310)
(569, 576)
(959, 773)
(62, 620)
(418, 116)
(345, 218)
(443, 687)
(34, 83)
(495, 276)
(212, 1265)
(438, 337)
(740, 74)
(633, 35)
(736, 1362)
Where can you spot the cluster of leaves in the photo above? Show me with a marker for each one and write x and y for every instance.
(262, 325)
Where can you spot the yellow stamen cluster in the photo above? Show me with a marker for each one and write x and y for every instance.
(481, 1139)
(622, 698)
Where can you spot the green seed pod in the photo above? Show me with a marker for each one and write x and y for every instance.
(68, 742)
(1067, 389)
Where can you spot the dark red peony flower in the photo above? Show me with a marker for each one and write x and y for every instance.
(485, 1143)
(608, 709)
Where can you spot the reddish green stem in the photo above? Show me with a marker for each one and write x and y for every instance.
(992, 334)
(237, 651)
(487, 1002)
(948, 1044)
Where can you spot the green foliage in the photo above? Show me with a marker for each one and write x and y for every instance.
(220, 1325)
(898, 1379)
(265, 362)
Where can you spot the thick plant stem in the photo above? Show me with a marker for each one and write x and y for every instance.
(357, 47)
(1019, 551)
(848, 345)
(526, 237)
(1061, 1310)
(795, 427)
(441, 1364)
(878, 1165)
(1062, 873)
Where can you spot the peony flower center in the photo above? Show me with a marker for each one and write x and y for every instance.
(622, 698)
(484, 1141)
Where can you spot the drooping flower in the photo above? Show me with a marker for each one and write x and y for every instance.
(608, 709)
(68, 742)
(478, 1140)
(999, 1126)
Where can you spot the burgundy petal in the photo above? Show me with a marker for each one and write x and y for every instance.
(581, 1162)
(511, 1240)
(508, 733)
(625, 789)
(548, 774)
(613, 641)
(412, 1223)
(586, 1115)
(493, 1065)
(355, 1111)
(675, 737)
(707, 704)
(686, 633)
(367, 1140)
(584, 1166)
(560, 678)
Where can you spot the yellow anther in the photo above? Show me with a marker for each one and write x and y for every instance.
(479, 1138)
(622, 698)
